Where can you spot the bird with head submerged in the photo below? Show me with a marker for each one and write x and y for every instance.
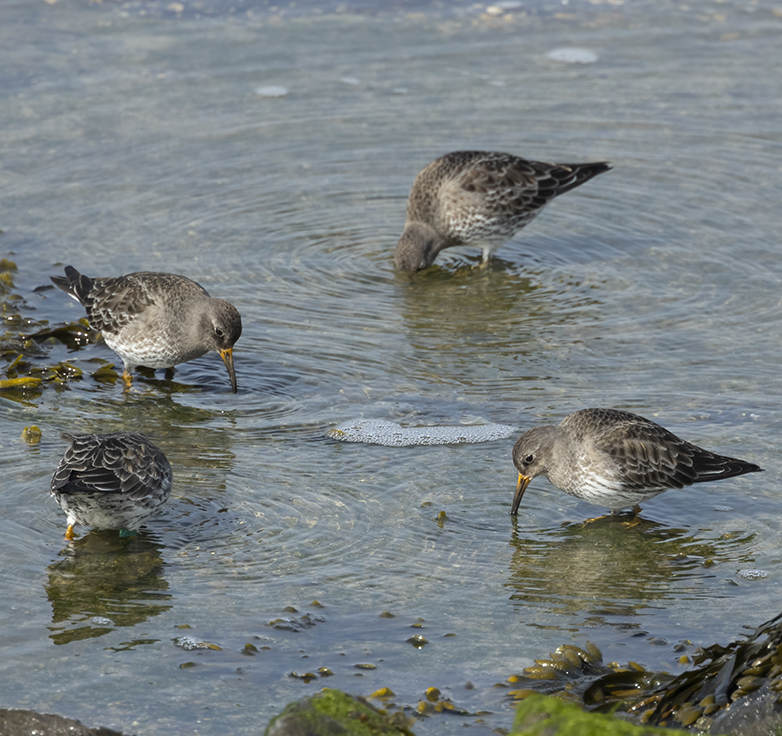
(481, 199)
(616, 459)
(155, 319)
(111, 481)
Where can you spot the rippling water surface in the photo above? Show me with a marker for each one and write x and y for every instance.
(137, 135)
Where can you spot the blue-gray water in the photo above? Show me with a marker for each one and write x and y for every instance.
(133, 136)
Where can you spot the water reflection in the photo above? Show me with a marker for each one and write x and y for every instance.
(103, 581)
(606, 568)
(488, 327)
(486, 300)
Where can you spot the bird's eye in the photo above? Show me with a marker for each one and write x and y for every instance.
(528, 460)
(219, 332)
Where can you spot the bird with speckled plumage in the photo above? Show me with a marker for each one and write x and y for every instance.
(616, 459)
(480, 199)
(155, 319)
(111, 481)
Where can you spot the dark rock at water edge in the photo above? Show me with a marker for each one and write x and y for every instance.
(17, 722)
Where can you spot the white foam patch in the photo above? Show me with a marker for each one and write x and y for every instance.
(753, 574)
(272, 90)
(391, 434)
(573, 56)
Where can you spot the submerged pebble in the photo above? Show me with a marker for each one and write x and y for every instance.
(189, 643)
(391, 434)
(31, 434)
(383, 693)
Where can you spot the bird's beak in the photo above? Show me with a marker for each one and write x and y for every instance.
(228, 358)
(521, 486)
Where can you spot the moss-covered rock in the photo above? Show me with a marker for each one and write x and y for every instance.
(333, 713)
(546, 715)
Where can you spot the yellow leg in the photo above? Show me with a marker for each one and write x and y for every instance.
(594, 519)
(69, 535)
(480, 266)
(636, 520)
(127, 378)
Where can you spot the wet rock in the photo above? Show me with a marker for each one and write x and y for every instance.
(756, 715)
(543, 715)
(734, 686)
(333, 713)
(734, 689)
(16, 722)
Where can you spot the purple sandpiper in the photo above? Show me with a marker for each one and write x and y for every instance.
(156, 319)
(480, 199)
(614, 458)
(111, 481)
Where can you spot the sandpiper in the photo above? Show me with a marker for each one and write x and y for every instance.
(111, 481)
(156, 320)
(481, 199)
(615, 458)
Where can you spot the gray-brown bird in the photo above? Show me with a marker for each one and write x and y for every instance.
(615, 458)
(111, 481)
(480, 199)
(154, 319)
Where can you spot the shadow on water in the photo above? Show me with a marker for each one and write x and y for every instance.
(606, 568)
(102, 582)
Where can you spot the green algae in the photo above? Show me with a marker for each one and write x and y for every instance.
(545, 715)
(332, 712)
(26, 343)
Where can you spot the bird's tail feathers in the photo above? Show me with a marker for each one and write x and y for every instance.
(75, 284)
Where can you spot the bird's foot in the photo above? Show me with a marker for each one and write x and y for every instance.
(594, 519)
(127, 379)
(636, 520)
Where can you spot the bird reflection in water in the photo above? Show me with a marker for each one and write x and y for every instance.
(101, 582)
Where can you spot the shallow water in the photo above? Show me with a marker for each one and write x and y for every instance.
(133, 138)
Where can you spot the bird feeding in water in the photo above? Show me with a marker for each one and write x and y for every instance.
(111, 481)
(481, 199)
(616, 459)
(155, 319)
